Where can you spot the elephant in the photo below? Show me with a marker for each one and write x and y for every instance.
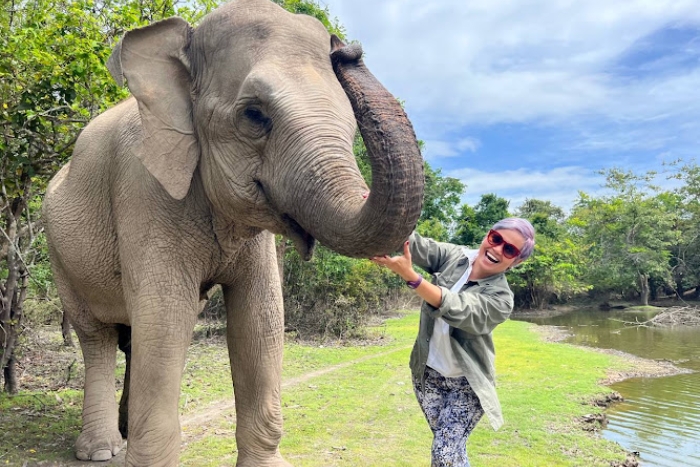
(236, 130)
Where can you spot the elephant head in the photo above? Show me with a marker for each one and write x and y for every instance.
(261, 104)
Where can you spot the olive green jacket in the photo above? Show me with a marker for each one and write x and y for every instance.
(472, 314)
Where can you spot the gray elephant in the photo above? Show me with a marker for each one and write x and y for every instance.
(238, 129)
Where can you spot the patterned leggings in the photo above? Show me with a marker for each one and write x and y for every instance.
(452, 410)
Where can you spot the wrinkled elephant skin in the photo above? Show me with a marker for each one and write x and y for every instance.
(236, 130)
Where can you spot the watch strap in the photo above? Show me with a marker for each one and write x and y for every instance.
(414, 284)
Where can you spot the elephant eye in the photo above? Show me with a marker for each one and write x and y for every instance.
(255, 122)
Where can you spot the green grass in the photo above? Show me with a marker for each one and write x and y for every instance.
(363, 412)
(366, 414)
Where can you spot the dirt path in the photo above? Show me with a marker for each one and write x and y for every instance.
(208, 416)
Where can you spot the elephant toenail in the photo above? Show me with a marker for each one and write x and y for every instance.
(101, 455)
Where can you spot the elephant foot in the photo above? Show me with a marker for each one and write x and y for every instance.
(276, 461)
(102, 447)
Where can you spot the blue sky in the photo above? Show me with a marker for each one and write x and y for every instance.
(529, 99)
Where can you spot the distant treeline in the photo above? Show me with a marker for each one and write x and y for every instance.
(638, 242)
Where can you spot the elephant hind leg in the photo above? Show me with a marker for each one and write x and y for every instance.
(99, 439)
(125, 346)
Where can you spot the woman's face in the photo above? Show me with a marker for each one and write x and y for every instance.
(491, 258)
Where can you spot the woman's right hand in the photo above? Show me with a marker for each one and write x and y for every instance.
(401, 264)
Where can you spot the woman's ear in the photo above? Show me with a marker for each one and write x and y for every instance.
(154, 62)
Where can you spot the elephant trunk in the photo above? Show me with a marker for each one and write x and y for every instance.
(381, 223)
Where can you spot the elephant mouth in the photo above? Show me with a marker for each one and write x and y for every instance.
(303, 241)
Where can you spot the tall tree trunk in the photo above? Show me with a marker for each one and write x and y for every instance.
(679, 289)
(11, 329)
(644, 289)
(12, 292)
(653, 291)
(10, 376)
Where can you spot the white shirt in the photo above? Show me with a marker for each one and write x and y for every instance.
(440, 355)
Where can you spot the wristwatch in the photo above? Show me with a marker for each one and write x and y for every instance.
(414, 284)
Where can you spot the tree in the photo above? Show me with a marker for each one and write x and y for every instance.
(684, 202)
(630, 233)
(53, 80)
(545, 217)
(467, 231)
(555, 269)
(490, 209)
(441, 197)
(473, 224)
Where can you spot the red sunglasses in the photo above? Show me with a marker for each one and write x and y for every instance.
(510, 251)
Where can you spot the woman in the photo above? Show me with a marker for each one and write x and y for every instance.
(452, 362)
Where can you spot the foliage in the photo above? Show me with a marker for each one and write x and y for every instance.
(684, 204)
(441, 196)
(434, 229)
(630, 233)
(474, 223)
(554, 271)
(333, 295)
(467, 231)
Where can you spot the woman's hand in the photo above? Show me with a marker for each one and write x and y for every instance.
(401, 264)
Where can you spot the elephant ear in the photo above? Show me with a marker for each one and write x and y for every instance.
(154, 62)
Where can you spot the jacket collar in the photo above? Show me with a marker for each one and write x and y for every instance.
(471, 256)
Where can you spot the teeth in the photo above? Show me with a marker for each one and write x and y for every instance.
(491, 258)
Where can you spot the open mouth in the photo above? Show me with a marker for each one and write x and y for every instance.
(303, 240)
(491, 258)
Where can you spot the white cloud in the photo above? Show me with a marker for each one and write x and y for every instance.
(579, 84)
(457, 62)
(560, 185)
(440, 149)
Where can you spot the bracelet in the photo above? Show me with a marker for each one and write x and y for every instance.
(414, 284)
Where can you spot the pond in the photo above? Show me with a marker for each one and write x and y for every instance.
(660, 417)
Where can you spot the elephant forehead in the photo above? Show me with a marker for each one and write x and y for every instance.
(257, 25)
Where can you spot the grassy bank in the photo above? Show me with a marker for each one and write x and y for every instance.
(354, 406)
(365, 414)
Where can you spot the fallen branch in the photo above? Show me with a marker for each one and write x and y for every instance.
(673, 316)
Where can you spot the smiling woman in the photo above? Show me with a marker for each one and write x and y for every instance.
(453, 357)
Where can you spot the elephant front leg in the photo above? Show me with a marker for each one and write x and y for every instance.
(255, 340)
(161, 330)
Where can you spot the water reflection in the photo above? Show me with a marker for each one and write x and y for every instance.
(660, 417)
